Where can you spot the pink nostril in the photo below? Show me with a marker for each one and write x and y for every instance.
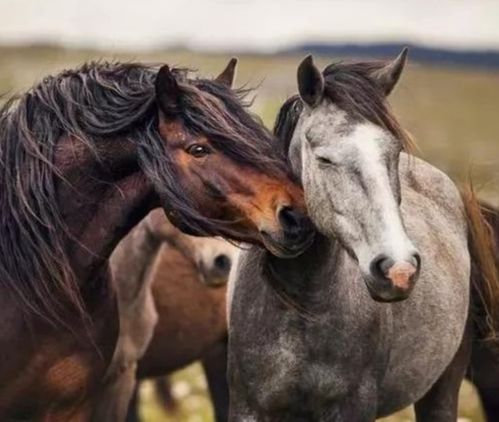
(400, 274)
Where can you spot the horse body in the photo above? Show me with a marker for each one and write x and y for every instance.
(191, 319)
(346, 351)
(191, 316)
(306, 339)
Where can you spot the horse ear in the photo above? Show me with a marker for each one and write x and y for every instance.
(310, 82)
(167, 90)
(228, 74)
(388, 76)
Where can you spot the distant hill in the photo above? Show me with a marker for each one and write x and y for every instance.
(486, 59)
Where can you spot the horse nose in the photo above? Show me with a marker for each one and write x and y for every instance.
(394, 280)
(222, 263)
(295, 225)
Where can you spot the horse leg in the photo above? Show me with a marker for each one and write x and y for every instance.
(215, 368)
(112, 405)
(484, 374)
(440, 403)
(490, 403)
(133, 407)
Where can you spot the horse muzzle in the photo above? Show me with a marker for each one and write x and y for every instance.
(392, 281)
(292, 236)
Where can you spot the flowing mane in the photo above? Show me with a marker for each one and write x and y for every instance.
(94, 104)
(352, 89)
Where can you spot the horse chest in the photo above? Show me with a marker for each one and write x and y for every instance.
(285, 363)
(302, 365)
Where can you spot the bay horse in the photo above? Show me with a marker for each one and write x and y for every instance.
(306, 339)
(85, 155)
(171, 295)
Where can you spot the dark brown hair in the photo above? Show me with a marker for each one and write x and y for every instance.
(95, 104)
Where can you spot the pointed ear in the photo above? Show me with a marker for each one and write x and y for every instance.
(310, 82)
(228, 74)
(167, 90)
(388, 76)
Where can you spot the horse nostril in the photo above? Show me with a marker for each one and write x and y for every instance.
(380, 266)
(292, 222)
(416, 261)
(401, 274)
(222, 263)
(288, 217)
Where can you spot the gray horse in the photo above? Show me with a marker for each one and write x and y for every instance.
(307, 340)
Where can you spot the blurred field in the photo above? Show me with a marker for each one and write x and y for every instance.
(452, 114)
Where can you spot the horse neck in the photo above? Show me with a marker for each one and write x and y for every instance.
(301, 280)
(103, 195)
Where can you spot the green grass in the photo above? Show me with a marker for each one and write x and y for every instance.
(452, 114)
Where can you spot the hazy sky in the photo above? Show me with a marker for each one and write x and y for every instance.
(236, 24)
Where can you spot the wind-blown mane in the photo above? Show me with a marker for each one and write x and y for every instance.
(94, 104)
(352, 89)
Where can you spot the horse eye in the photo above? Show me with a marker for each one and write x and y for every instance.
(198, 150)
(324, 160)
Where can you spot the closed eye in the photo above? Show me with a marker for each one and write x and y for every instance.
(323, 160)
(326, 156)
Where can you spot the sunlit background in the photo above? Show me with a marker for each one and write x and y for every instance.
(448, 98)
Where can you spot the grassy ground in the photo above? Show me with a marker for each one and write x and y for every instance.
(452, 114)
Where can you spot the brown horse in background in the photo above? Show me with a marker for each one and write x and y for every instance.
(191, 324)
(170, 313)
(483, 370)
(84, 156)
